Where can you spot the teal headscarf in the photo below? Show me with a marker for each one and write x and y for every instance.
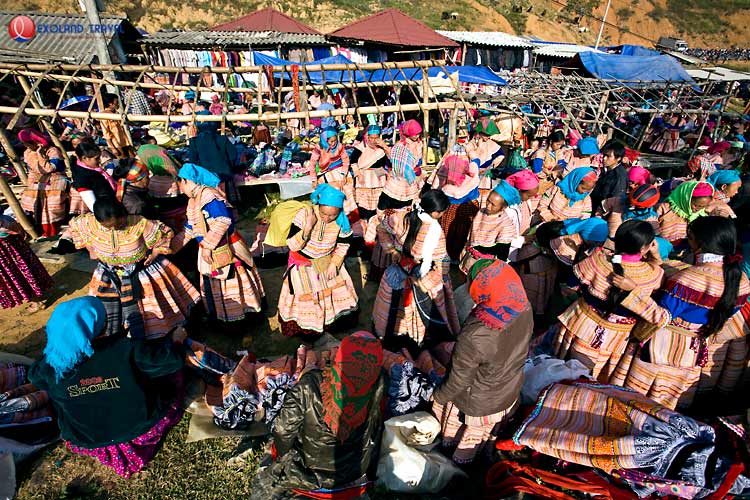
(70, 329)
(327, 134)
(569, 185)
(509, 193)
(721, 177)
(325, 194)
(199, 175)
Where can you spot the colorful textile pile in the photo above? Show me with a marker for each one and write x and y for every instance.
(21, 403)
(629, 436)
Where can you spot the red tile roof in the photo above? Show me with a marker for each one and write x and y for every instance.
(268, 19)
(393, 27)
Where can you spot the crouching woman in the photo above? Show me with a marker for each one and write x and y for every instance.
(328, 431)
(96, 385)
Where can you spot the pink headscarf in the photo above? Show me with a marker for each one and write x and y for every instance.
(703, 189)
(523, 180)
(32, 136)
(719, 147)
(411, 128)
(639, 175)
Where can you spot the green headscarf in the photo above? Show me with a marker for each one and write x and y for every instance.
(487, 126)
(680, 201)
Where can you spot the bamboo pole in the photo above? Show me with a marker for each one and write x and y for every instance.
(16, 207)
(47, 125)
(29, 95)
(132, 68)
(13, 157)
(425, 115)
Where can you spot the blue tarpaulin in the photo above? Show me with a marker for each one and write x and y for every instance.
(315, 76)
(466, 74)
(633, 68)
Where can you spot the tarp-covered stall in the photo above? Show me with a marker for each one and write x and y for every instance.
(629, 68)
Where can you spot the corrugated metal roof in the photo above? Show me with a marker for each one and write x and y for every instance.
(208, 38)
(719, 74)
(563, 50)
(74, 48)
(491, 38)
(393, 27)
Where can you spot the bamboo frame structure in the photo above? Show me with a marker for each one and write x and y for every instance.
(575, 101)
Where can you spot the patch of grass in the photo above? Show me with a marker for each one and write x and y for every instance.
(658, 13)
(700, 16)
(180, 470)
(624, 14)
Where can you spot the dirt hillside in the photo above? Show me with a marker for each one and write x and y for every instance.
(704, 23)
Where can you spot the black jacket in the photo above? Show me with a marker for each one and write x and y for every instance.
(300, 426)
(612, 183)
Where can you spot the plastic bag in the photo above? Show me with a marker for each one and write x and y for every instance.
(406, 469)
(516, 162)
(543, 370)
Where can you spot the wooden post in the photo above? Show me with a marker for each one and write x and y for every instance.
(463, 53)
(260, 92)
(452, 125)
(16, 207)
(698, 140)
(13, 157)
(47, 125)
(425, 115)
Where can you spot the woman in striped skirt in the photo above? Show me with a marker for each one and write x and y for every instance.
(414, 307)
(46, 195)
(142, 291)
(317, 293)
(569, 199)
(696, 315)
(230, 283)
(329, 163)
(369, 161)
(596, 328)
(403, 184)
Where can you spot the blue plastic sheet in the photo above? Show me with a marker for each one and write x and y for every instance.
(634, 68)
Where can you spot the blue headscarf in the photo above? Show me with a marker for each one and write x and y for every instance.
(325, 194)
(570, 183)
(199, 175)
(327, 134)
(70, 329)
(593, 229)
(509, 193)
(373, 130)
(721, 177)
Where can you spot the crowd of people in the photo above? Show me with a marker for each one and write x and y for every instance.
(566, 246)
(720, 55)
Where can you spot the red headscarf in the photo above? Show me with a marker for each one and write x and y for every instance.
(349, 383)
(497, 292)
(644, 196)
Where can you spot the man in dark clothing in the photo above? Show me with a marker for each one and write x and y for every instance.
(614, 179)
(211, 150)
